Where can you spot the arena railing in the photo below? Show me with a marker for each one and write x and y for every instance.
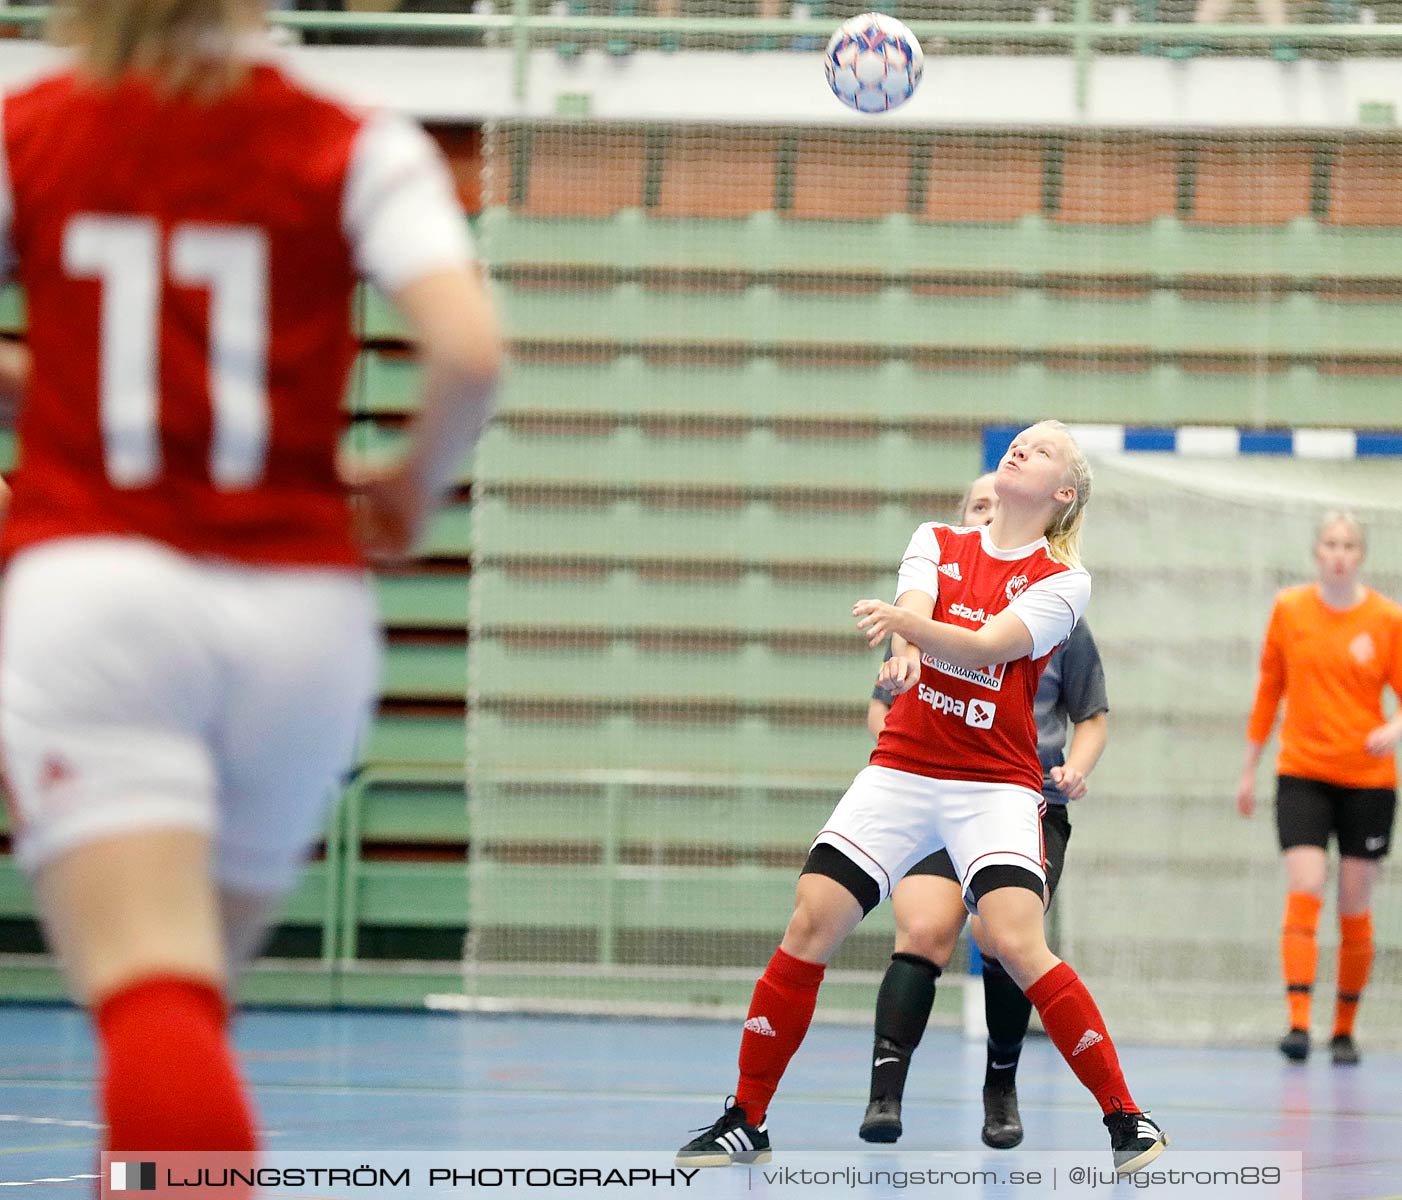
(1082, 37)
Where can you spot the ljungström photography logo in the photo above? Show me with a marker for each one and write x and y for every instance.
(132, 1176)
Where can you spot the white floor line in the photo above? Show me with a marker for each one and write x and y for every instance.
(24, 1119)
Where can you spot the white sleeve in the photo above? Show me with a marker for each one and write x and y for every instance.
(920, 565)
(1051, 607)
(7, 209)
(400, 211)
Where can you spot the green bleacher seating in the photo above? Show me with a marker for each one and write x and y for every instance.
(895, 319)
(638, 857)
(411, 807)
(449, 533)
(754, 459)
(678, 738)
(755, 532)
(929, 398)
(632, 670)
(425, 667)
(761, 390)
(622, 598)
(1167, 248)
(413, 734)
(15, 898)
(420, 600)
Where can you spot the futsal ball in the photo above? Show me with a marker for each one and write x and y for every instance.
(873, 63)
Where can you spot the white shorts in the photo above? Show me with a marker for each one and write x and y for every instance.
(141, 688)
(889, 820)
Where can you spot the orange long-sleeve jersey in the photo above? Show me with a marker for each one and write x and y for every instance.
(1331, 667)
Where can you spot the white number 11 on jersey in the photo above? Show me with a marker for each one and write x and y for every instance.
(125, 254)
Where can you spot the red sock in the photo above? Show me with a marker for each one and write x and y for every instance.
(1077, 1029)
(169, 1080)
(780, 1011)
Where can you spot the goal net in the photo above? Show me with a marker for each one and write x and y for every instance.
(1171, 902)
(747, 361)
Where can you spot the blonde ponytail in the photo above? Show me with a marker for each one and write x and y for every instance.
(184, 44)
(1064, 533)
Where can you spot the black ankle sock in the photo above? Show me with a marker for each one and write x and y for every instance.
(1007, 1012)
(902, 1011)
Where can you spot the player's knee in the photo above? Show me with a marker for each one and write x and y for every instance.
(1306, 868)
(1017, 946)
(1356, 879)
(813, 932)
(1308, 879)
(1012, 926)
(927, 938)
(807, 923)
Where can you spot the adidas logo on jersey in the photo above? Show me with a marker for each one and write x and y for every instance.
(952, 570)
(761, 1026)
(1088, 1039)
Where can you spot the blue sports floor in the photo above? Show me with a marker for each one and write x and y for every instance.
(363, 1081)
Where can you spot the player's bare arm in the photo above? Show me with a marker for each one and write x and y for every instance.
(14, 374)
(1246, 786)
(1002, 639)
(459, 339)
(901, 671)
(1088, 740)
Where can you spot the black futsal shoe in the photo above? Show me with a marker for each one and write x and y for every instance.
(1343, 1051)
(1135, 1140)
(1295, 1045)
(732, 1140)
(883, 1121)
(1002, 1126)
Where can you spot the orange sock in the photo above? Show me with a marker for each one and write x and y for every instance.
(1299, 954)
(1355, 959)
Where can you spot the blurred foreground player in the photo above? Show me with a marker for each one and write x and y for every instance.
(189, 638)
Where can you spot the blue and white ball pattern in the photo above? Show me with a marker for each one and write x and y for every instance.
(873, 63)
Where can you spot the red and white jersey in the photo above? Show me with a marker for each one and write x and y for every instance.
(977, 724)
(188, 269)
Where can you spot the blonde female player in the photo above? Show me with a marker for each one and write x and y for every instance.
(978, 613)
(930, 911)
(1330, 649)
(189, 642)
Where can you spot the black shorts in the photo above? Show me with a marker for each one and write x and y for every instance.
(1056, 832)
(1307, 811)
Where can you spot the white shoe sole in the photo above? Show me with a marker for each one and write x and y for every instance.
(1143, 1158)
(721, 1158)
